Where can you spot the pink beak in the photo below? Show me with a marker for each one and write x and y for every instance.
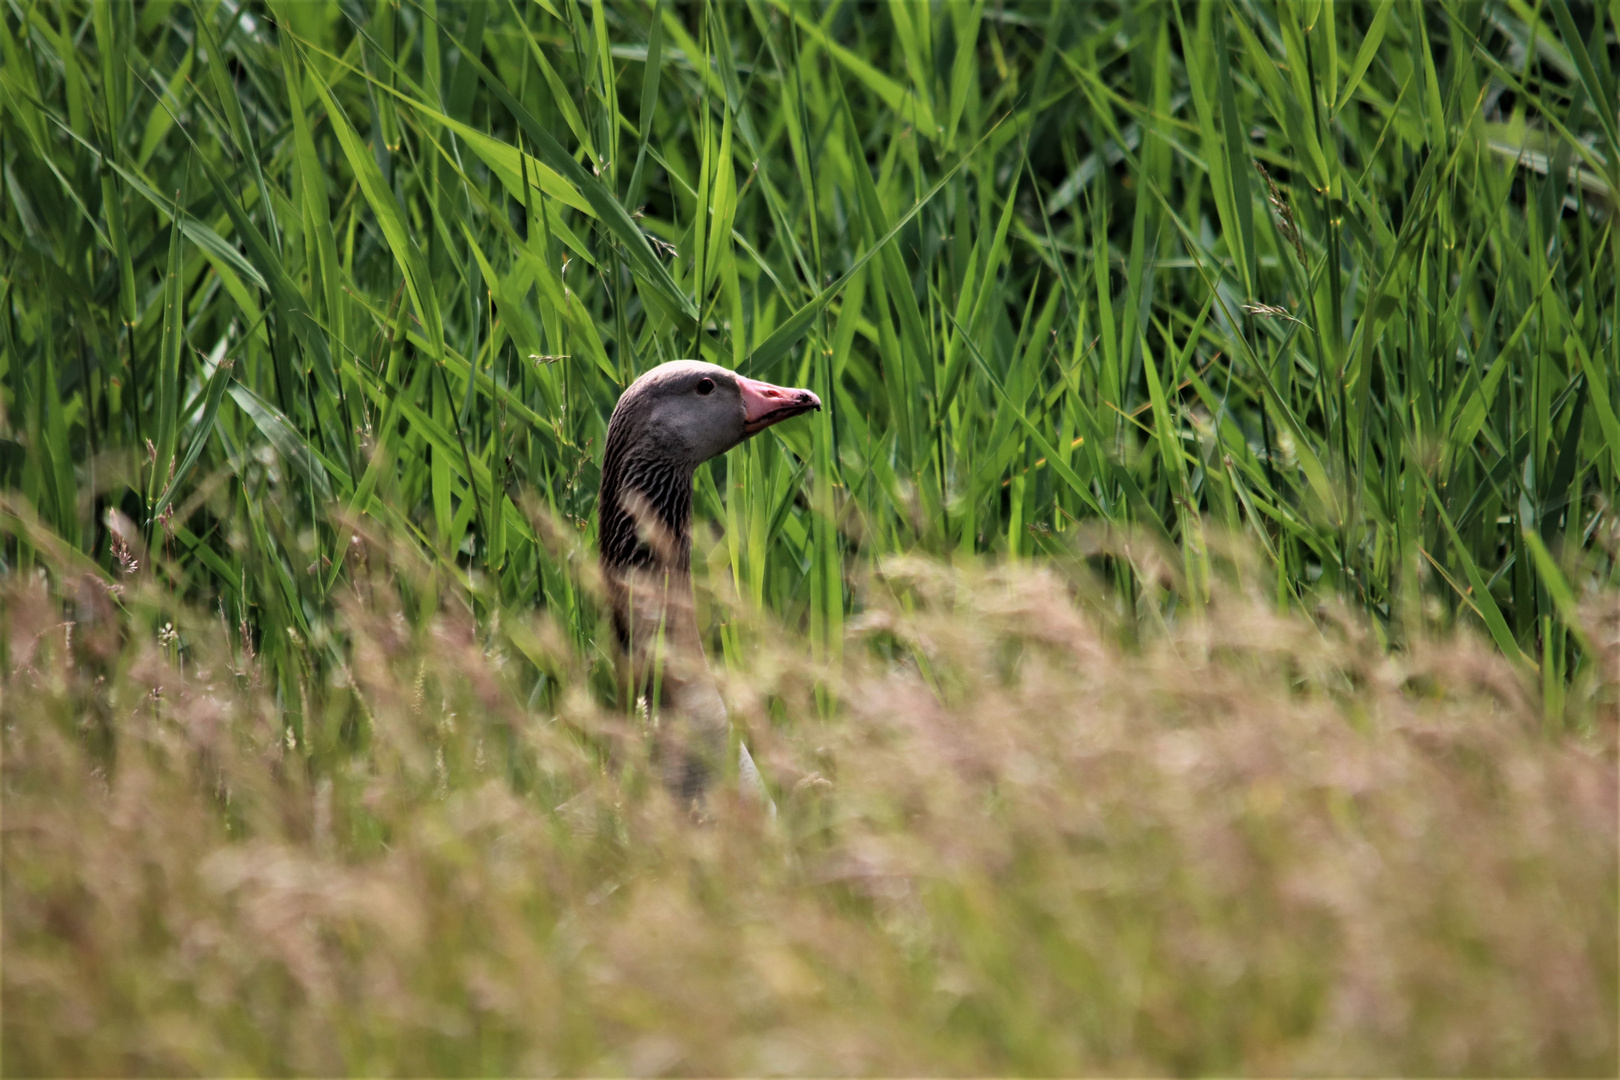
(765, 404)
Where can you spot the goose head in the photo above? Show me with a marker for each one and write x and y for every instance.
(686, 412)
(670, 421)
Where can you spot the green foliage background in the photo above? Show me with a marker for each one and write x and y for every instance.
(1339, 276)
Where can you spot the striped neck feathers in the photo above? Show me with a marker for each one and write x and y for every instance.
(645, 509)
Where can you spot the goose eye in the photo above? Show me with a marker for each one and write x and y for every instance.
(705, 387)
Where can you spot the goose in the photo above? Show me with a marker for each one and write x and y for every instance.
(668, 422)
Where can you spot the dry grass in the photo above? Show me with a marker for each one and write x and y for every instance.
(1011, 844)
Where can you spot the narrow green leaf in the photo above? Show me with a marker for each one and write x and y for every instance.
(378, 195)
(1598, 91)
(650, 75)
(766, 354)
(1478, 595)
(1054, 460)
(1365, 54)
(1601, 400)
(168, 385)
(905, 103)
(215, 393)
(1563, 597)
(612, 214)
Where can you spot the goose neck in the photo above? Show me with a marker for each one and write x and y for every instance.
(645, 513)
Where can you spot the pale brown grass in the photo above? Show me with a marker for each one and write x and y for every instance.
(1007, 843)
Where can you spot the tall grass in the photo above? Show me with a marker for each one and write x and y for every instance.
(1337, 276)
(311, 318)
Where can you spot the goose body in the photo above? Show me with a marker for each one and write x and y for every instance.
(667, 423)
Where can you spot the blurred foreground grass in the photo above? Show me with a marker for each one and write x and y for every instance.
(1248, 843)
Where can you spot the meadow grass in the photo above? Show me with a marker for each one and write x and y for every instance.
(1187, 641)
(1251, 843)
